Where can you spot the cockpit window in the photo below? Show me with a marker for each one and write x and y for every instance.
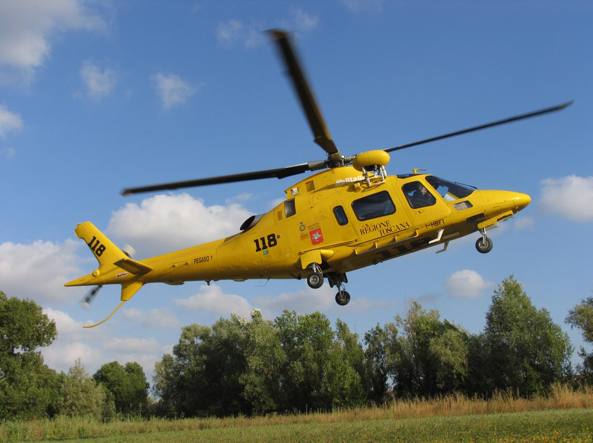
(417, 195)
(375, 205)
(289, 208)
(449, 190)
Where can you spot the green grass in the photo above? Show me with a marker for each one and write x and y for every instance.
(574, 425)
(564, 415)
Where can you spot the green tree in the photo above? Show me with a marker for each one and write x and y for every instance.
(263, 378)
(426, 356)
(323, 368)
(180, 378)
(83, 397)
(127, 385)
(226, 362)
(376, 365)
(166, 386)
(203, 376)
(478, 381)
(346, 369)
(525, 351)
(581, 316)
(307, 341)
(28, 388)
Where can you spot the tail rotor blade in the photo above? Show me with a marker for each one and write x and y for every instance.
(90, 296)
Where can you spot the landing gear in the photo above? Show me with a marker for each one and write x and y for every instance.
(342, 297)
(315, 277)
(337, 280)
(484, 243)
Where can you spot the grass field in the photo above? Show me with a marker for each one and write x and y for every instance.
(536, 426)
(565, 415)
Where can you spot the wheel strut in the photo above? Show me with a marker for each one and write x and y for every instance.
(338, 280)
(484, 244)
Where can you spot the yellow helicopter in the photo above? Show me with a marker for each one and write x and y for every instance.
(349, 215)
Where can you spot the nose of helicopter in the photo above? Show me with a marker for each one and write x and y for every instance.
(520, 200)
(497, 201)
(515, 201)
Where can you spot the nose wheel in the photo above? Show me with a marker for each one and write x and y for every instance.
(484, 243)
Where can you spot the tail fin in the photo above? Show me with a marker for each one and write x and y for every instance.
(104, 250)
(110, 257)
(107, 254)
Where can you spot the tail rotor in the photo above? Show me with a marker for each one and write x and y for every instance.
(90, 296)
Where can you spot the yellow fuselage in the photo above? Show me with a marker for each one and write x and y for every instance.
(304, 229)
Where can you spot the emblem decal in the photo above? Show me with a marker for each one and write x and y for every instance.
(316, 236)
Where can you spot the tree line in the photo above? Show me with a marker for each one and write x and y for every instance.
(298, 363)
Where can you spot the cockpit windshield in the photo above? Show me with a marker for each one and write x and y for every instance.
(449, 190)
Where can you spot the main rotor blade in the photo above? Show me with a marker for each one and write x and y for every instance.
(316, 122)
(244, 176)
(515, 118)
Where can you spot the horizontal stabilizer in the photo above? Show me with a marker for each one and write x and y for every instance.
(133, 266)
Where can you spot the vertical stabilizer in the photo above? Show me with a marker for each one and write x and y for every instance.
(104, 250)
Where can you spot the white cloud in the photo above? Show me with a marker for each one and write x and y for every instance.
(570, 197)
(128, 345)
(39, 270)
(524, 222)
(227, 33)
(251, 34)
(235, 32)
(62, 355)
(98, 82)
(213, 299)
(9, 121)
(95, 347)
(173, 90)
(466, 284)
(307, 300)
(166, 222)
(357, 6)
(160, 318)
(69, 345)
(302, 301)
(64, 323)
(302, 21)
(27, 27)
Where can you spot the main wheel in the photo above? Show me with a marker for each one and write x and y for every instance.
(484, 245)
(315, 278)
(342, 298)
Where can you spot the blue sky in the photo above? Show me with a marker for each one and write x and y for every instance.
(99, 95)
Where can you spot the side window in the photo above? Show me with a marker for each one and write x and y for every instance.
(417, 195)
(340, 215)
(372, 206)
(289, 208)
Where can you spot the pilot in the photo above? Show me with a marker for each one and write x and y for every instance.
(421, 197)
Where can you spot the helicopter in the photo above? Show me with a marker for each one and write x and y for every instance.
(348, 215)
